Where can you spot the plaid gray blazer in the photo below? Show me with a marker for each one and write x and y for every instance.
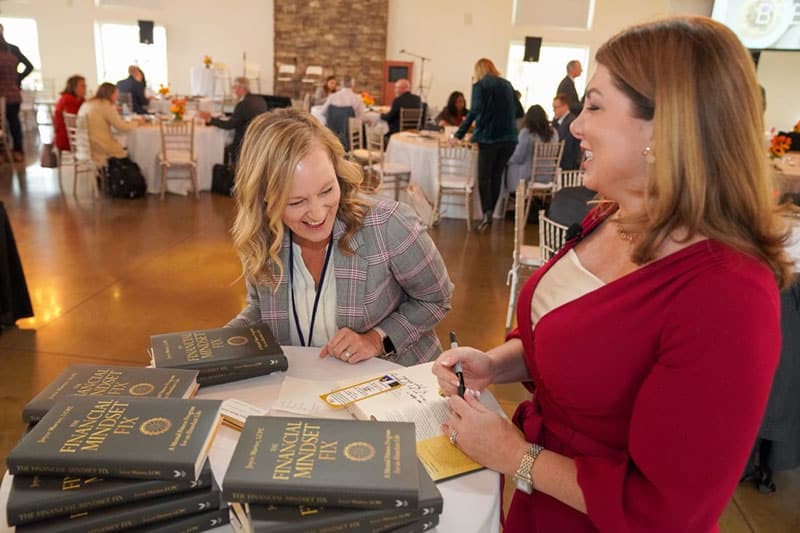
(395, 279)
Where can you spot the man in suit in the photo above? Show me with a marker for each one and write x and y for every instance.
(249, 106)
(134, 85)
(567, 86)
(562, 118)
(402, 98)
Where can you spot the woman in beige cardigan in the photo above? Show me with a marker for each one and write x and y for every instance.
(101, 114)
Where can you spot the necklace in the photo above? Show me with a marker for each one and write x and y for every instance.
(625, 235)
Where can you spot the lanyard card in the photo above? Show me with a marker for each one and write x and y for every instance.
(366, 389)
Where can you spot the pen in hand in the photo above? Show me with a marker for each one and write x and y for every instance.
(457, 367)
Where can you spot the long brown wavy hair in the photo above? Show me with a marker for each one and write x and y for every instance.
(273, 145)
(693, 78)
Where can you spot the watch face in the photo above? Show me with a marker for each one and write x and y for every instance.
(388, 346)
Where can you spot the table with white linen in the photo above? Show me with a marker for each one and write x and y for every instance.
(371, 118)
(420, 153)
(144, 145)
(471, 502)
(786, 173)
(202, 81)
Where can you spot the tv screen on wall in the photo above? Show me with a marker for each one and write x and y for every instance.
(762, 24)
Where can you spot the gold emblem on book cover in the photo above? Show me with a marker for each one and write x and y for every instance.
(155, 426)
(237, 340)
(141, 389)
(359, 451)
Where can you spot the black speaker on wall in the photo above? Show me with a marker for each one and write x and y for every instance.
(146, 31)
(532, 47)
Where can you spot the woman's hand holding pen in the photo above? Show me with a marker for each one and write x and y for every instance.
(476, 366)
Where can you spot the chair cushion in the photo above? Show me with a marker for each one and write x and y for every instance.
(542, 186)
(363, 154)
(177, 158)
(530, 255)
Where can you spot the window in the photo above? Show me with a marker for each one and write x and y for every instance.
(118, 46)
(25, 35)
(539, 81)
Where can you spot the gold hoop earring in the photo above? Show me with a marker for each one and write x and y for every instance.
(649, 155)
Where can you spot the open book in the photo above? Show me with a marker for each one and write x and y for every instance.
(417, 400)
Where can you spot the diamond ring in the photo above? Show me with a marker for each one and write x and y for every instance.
(347, 355)
(453, 437)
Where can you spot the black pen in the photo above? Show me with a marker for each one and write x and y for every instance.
(457, 367)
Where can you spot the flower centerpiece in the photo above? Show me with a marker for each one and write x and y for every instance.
(367, 98)
(207, 61)
(163, 90)
(178, 108)
(779, 145)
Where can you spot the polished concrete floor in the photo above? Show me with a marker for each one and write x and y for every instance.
(104, 275)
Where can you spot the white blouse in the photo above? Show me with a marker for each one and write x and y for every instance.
(566, 280)
(304, 294)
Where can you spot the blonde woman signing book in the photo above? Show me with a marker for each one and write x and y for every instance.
(325, 265)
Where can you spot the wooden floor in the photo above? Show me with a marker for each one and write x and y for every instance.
(104, 275)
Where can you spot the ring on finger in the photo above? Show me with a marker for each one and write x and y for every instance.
(453, 437)
(346, 355)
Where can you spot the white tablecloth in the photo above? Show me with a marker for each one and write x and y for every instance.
(421, 155)
(471, 502)
(202, 81)
(144, 144)
(787, 176)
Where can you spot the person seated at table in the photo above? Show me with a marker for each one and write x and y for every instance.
(101, 115)
(325, 265)
(454, 112)
(70, 101)
(345, 97)
(651, 339)
(403, 98)
(536, 128)
(135, 85)
(247, 108)
(324, 91)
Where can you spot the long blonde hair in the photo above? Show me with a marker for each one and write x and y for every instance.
(484, 66)
(273, 146)
(695, 80)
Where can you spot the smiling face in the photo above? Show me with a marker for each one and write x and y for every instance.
(612, 138)
(313, 199)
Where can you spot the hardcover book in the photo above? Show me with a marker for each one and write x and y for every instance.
(189, 524)
(110, 436)
(220, 353)
(144, 513)
(324, 462)
(417, 400)
(36, 498)
(258, 518)
(104, 380)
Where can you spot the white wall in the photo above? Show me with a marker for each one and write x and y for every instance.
(222, 29)
(779, 73)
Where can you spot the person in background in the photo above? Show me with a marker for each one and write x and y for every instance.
(101, 115)
(70, 101)
(493, 111)
(651, 338)
(403, 98)
(135, 85)
(323, 91)
(247, 108)
(562, 119)
(536, 129)
(519, 111)
(346, 97)
(10, 83)
(454, 112)
(567, 87)
(326, 266)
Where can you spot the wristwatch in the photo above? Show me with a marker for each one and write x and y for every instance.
(388, 347)
(523, 477)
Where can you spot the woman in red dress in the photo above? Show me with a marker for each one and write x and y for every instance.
(71, 99)
(650, 340)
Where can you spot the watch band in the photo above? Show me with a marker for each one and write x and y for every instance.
(388, 346)
(523, 477)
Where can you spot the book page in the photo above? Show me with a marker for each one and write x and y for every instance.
(302, 397)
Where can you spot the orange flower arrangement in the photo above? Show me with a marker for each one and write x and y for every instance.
(207, 61)
(779, 145)
(367, 98)
(178, 108)
(163, 90)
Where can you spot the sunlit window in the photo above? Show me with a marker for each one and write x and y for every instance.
(25, 35)
(118, 47)
(538, 81)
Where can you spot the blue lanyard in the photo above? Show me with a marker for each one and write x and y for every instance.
(316, 297)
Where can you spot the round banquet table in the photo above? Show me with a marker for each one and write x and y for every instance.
(471, 502)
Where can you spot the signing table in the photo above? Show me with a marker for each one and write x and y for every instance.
(471, 502)
(786, 173)
(144, 145)
(420, 153)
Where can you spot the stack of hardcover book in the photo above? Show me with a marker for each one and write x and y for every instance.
(220, 355)
(315, 475)
(108, 463)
